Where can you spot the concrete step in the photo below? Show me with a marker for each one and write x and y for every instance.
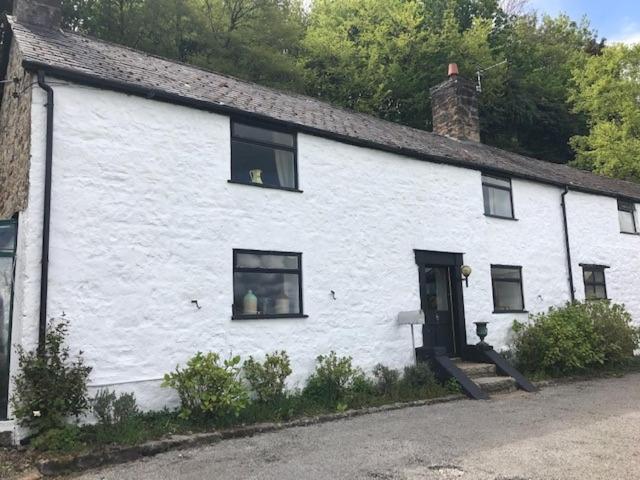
(496, 384)
(476, 370)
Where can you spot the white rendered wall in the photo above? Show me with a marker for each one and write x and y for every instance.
(144, 221)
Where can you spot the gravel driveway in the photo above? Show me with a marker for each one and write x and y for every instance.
(586, 430)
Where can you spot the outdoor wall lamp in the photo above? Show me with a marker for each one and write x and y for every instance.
(465, 270)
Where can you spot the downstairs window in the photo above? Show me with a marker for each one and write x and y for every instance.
(267, 284)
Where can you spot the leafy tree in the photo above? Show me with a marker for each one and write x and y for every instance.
(607, 90)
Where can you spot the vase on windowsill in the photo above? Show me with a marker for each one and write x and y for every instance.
(256, 175)
(250, 304)
(282, 304)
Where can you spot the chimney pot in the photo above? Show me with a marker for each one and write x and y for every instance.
(453, 70)
(43, 13)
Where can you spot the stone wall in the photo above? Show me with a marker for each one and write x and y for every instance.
(455, 109)
(15, 133)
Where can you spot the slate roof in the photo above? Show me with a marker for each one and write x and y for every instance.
(84, 59)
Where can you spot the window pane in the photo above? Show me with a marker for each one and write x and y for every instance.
(7, 237)
(588, 276)
(497, 201)
(497, 181)
(508, 296)
(252, 260)
(627, 223)
(499, 273)
(262, 134)
(276, 293)
(598, 276)
(595, 292)
(259, 164)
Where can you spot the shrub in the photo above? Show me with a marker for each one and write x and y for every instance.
(575, 337)
(50, 386)
(268, 379)
(386, 379)
(206, 387)
(64, 439)
(332, 379)
(616, 336)
(418, 377)
(111, 409)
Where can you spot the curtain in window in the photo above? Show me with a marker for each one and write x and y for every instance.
(284, 167)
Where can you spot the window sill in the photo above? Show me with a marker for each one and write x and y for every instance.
(261, 185)
(510, 311)
(274, 316)
(500, 217)
(631, 233)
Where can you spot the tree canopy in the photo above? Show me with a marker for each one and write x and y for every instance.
(550, 88)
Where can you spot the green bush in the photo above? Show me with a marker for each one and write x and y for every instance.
(333, 379)
(64, 439)
(574, 338)
(386, 378)
(268, 379)
(207, 387)
(110, 409)
(418, 377)
(50, 386)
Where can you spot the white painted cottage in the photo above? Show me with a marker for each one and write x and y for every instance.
(165, 209)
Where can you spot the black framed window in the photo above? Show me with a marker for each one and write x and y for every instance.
(627, 217)
(267, 284)
(8, 231)
(508, 295)
(595, 285)
(263, 156)
(496, 192)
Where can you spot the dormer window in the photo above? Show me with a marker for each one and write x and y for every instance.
(627, 217)
(263, 156)
(498, 201)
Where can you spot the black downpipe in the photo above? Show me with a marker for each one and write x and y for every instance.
(44, 273)
(566, 243)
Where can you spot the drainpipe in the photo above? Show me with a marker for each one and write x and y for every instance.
(566, 242)
(44, 272)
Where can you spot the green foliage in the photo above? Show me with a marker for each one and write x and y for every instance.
(574, 338)
(110, 409)
(418, 376)
(606, 89)
(64, 439)
(268, 379)
(50, 386)
(387, 379)
(207, 387)
(333, 379)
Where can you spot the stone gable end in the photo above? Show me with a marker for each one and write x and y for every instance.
(15, 135)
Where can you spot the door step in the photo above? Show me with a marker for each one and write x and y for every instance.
(485, 376)
(496, 384)
(476, 370)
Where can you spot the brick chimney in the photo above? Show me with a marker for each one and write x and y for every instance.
(454, 105)
(44, 13)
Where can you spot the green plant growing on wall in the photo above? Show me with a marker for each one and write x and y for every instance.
(267, 379)
(50, 385)
(208, 387)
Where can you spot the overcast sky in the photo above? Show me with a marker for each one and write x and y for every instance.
(616, 20)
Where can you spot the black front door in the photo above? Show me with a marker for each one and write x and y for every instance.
(438, 330)
(441, 300)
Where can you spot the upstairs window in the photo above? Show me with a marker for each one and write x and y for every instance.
(267, 284)
(507, 289)
(627, 217)
(595, 286)
(263, 156)
(498, 201)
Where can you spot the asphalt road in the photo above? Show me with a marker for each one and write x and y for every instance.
(586, 430)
